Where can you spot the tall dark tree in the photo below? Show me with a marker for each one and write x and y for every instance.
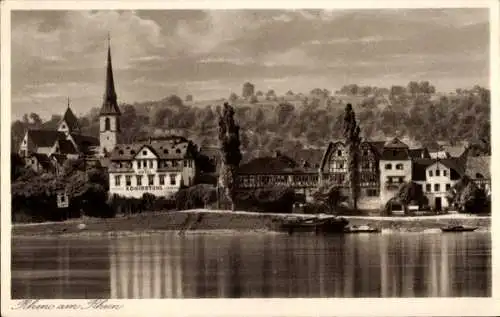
(352, 141)
(229, 141)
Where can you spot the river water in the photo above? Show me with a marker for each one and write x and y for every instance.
(196, 265)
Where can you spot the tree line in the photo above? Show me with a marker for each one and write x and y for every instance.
(286, 126)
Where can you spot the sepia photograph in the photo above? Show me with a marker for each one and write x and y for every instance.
(249, 153)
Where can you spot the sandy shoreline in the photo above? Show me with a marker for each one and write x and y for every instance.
(203, 221)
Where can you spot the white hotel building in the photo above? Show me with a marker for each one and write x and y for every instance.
(159, 167)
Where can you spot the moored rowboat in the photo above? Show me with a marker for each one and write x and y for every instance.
(459, 228)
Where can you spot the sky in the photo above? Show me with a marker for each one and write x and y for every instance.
(211, 53)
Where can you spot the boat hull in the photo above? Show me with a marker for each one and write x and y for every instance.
(320, 226)
(462, 229)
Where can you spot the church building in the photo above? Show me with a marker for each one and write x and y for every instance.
(47, 150)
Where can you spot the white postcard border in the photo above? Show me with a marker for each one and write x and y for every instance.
(252, 307)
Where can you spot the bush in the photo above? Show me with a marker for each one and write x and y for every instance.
(197, 196)
(148, 202)
(269, 200)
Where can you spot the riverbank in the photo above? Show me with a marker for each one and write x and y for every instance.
(202, 220)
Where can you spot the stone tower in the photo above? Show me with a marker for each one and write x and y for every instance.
(109, 117)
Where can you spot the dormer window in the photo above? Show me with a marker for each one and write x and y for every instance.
(339, 152)
(388, 166)
(120, 152)
(430, 173)
(399, 166)
(438, 173)
(132, 152)
(178, 151)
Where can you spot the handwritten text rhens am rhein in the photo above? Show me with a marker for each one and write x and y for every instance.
(36, 304)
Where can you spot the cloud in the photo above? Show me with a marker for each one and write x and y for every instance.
(205, 53)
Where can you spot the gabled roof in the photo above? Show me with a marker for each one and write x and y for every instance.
(453, 164)
(67, 147)
(269, 165)
(84, 140)
(163, 150)
(395, 143)
(71, 120)
(478, 165)
(45, 138)
(42, 159)
(378, 146)
(454, 151)
(311, 157)
(421, 153)
(328, 151)
(419, 167)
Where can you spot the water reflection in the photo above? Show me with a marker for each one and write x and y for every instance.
(251, 265)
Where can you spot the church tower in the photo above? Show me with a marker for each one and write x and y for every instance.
(109, 117)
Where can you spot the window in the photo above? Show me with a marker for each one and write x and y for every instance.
(401, 179)
(139, 180)
(436, 187)
(445, 173)
(128, 180)
(388, 166)
(162, 179)
(371, 192)
(448, 186)
(399, 166)
(151, 164)
(172, 179)
(430, 173)
(389, 180)
(427, 187)
(144, 152)
(340, 165)
(339, 153)
(438, 173)
(107, 124)
(185, 163)
(117, 180)
(151, 180)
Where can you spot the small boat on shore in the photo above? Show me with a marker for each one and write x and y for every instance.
(362, 229)
(458, 228)
(316, 225)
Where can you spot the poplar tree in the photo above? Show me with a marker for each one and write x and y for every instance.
(229, 142)
(352, 141)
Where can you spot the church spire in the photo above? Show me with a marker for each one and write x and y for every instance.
(109, 103)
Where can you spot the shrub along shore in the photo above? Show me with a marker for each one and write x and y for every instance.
(207, 220)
